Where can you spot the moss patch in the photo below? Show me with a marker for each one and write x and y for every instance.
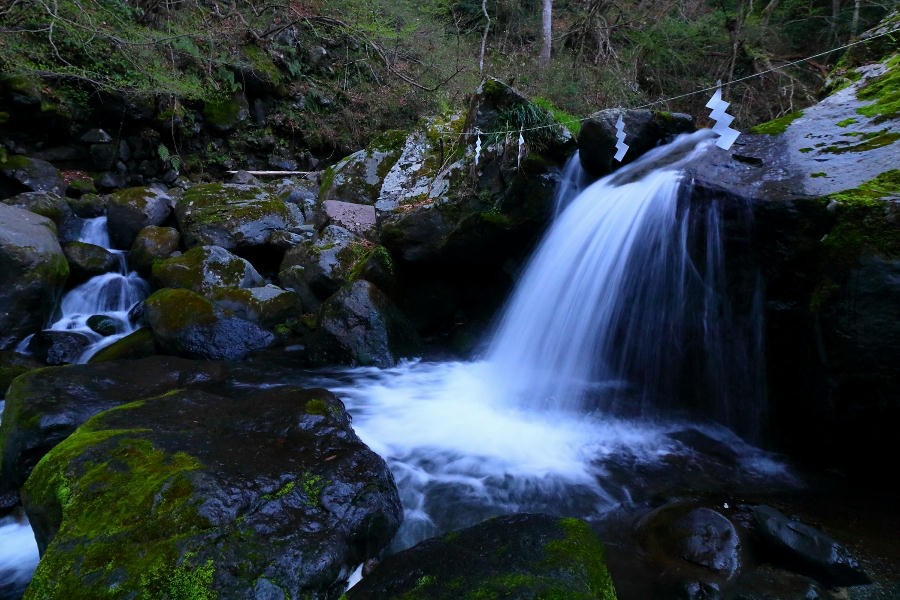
(884, 91)
(846, 122)
(863, 220)
(176, 309)
(870, 142)
(777, 126)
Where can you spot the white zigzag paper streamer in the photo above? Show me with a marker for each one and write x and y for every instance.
(521, 148)
(727, 135)
(477, 147)
(621, 146)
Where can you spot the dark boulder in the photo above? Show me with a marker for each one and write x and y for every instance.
(644, 129)
(133, 209)
(361, 326)
(89, 206)
(187, 324)
(806, 549)
(316, 270)
(520, 556)
(105, 325)
(33, 270)
(150, 245)
(267, 305)
(87, 260)
(58, 347)
(24, 174)
(43, 407)
(13, 364)
(270, 496)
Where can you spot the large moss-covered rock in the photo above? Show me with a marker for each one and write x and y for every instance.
(44, 406)
(645, 129)
(527, 557)
(23, 174)
(87, 260)
(133, 209)
(187, 324)
(33, 270)
(203, 269)
(52, 206)
(357, 178)
(317, 269)
(267, 305)
(233, 216)
(13, 364)
(194, 495)
(359, 325)
(89, 206)
(150, 245)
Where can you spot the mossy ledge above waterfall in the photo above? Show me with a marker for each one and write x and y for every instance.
(139, 502)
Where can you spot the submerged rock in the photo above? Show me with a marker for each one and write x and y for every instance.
(271, 496)
(133, 209)
(33, 270)
(807, 549)
(521, 556)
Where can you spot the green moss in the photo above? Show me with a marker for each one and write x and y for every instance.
(316, 406)
(16, 161)
(805, 150)
(846, 122)
(179, 308)
(262, 64)
(496, 218)
(583, 548)
(312, 488)
(871, 141)
(777, 126)
(134, 197)
(222, 113)
(104, 484)
(284, 490)
(392, 140)
(819, 174)
(327, 182)
(884, 91)
(863, 221)
(571, 122)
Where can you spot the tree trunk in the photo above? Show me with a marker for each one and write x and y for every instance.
(854, 26)
(487, 28)
(835, 17)
(767, 12)
(547, 28)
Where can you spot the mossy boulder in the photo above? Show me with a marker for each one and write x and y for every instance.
(187, 324)
(24, 174)
(89, 206)
(315, 270)
(150, 245)
(359, 325)
(87, 260)
(132, 209)
(52, 206)
(137, 344)
(44, 406)
(13, 364)
(195, 495)
(233, 216)
(203, 269)
(33, 270)
(357, 178)
(644, 129)
(522, 556)
(267, 305)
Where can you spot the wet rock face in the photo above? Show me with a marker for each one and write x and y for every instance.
(233, 216)
(133, 209)
(644, 129)
(58, 347)
(45, 406)
(517, 556)
(807, 549)
(33, 270)
(237, 498)
(87, 260)
(359, 325)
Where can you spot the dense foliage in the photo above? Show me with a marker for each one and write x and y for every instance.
(344, 69)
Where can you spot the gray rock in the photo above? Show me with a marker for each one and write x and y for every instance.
(204, 269)
(58, 347)
(133, 209)
(33, 270)
(316, 270)
(24, 174)
(358, 218)
(96, 136)
(804, 547)
(52, 206)
(87, 260)
(152, 244)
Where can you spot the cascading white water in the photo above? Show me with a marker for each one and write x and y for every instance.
(110, 295)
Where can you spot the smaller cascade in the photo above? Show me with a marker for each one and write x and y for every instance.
(572, 180)
(105, 298)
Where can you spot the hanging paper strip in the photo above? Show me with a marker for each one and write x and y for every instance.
(521, 149)
(621, 146)
(727, 135)
(477, 146)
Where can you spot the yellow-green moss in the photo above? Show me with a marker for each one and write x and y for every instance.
(316, 406)
(863, 220)
(884, 91)
(777, 126)
(846, 122)
(180, 308)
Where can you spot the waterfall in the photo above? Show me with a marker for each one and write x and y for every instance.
(110, 295)
(622, 304)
